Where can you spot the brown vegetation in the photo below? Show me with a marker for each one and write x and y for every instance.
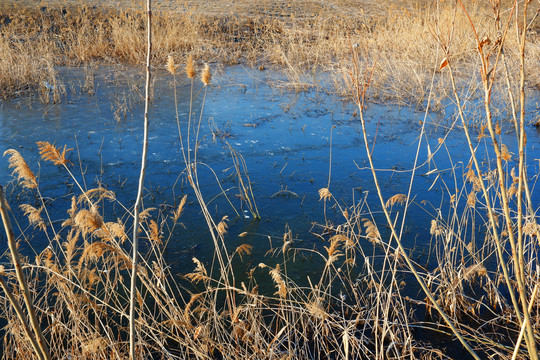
(302, 39)
(481, 291)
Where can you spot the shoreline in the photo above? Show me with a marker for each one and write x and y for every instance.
(299, 39)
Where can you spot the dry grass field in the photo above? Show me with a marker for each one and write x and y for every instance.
(298, 37)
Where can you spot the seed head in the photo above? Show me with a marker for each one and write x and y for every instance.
(190, 67)
(170, 65)
(22, 170)
(49, 152)
(206, 76)
(325, 194)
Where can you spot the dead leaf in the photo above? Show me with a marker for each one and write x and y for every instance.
(444, 63)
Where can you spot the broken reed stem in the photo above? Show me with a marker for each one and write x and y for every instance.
(196, 145)
(22, 318)
(43, 348)
(133, 289)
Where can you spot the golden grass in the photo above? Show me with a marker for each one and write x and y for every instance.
(190, 67)
(206, 75)
(352, 307)
(82, 277)
(34, 215)
(21, 169)
(49, 152)
(301, 43)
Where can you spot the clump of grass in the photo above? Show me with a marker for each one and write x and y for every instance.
(83, 280)
(459, 288)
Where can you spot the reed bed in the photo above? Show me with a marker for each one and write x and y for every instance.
(478, 288)
(301, 41)
(79, 289)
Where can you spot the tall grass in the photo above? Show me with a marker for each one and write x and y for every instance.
(459, 262)
(309, 42)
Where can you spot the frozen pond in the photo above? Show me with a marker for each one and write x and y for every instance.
(283, 136)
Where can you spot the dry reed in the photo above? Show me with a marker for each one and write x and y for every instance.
(310, 41)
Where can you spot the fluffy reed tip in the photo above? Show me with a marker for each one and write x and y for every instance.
(49, 152)
(325, 194)
(171, 67)
(190, 67)
(206, 76)
(21, 169)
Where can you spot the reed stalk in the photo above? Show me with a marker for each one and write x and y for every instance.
(488, 76)
(360, 87)
(133, 287)
(22, 318)
(16, 259)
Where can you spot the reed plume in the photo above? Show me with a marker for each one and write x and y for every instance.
(333, 252)
(49, 152)
(94, 251)
(244, 249)
(21, 169)
(97, 195)
(97, 250)
(396, 199)
(73, 209)
(190, 67)
(70, 244)
(199, 274)
(325, 194)
(113, 230)
(171, 67)
(531, 229)
(222, 226)
(88, 221)
(278, 281)
(34, 216)
(145, 214)
(206, 76)
(505, 154)
(155, 233)
(180, 208)
(471, 199)
(372, 232)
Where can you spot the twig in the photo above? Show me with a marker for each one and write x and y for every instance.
(140, 190)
